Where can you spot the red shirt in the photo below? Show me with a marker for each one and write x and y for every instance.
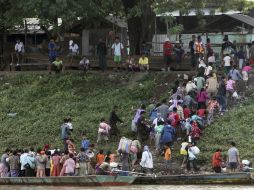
(186, 113)
(216, 159)
(201, 112)
(176, 119)
(195, 131)
(167, 48)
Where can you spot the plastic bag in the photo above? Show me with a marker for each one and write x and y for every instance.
(133, 126)
(235, 95)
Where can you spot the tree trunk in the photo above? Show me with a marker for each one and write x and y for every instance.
(26, 33)
(140, 28)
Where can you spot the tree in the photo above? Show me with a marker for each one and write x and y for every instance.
(140, 14)
(141, 20)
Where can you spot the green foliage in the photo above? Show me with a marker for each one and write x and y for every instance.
(237, 126)
(41, 103)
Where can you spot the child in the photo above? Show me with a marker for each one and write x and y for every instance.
(143, 63)
(84, 64)
(100, 157)
(167, 157)
(103, 131)
(57, 65)
(69, 166)
(230, 86)
(212, 105)
(183, 152)
(130, 64)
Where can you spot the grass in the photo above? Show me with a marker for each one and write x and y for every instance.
(41, 102)
(237, 126)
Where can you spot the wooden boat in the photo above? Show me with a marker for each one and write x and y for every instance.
(224, 178)
(229, 178)
(98, 180)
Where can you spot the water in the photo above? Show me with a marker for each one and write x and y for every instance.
(148, 187)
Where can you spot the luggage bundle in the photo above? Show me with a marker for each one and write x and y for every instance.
(124, 145)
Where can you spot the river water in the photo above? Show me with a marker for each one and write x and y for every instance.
(148, 187)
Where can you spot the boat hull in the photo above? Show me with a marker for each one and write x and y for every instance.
(70, 181)
(234, 178)
(230, 178)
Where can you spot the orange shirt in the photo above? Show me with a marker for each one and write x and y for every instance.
(168, 154)
(100, 158)
(216, 159)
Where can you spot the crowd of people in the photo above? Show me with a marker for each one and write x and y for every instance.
(159, 126)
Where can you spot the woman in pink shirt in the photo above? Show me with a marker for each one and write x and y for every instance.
(202, 96)
(247, 68)
(69, 166)
(103, 131)
(230, 86)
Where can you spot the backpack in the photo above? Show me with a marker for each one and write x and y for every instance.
(195, 150)
(85, 144)
(153, 114)
(83, 157)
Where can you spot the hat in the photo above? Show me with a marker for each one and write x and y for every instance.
(90, 154)
(113, 164)
(160, 119)
(167, 39)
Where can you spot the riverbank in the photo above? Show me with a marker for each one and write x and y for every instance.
(38, 103)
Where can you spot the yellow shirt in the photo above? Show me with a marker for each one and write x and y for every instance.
(143, 61)
(168, 154)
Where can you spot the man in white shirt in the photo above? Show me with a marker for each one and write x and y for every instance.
(190, 86)
(19, 50)
(209, 69)
(117, 51)
(227, 65)
(73, 50)
(19, 47)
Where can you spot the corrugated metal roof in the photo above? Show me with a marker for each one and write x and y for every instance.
(243, 18)
(117, 21)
